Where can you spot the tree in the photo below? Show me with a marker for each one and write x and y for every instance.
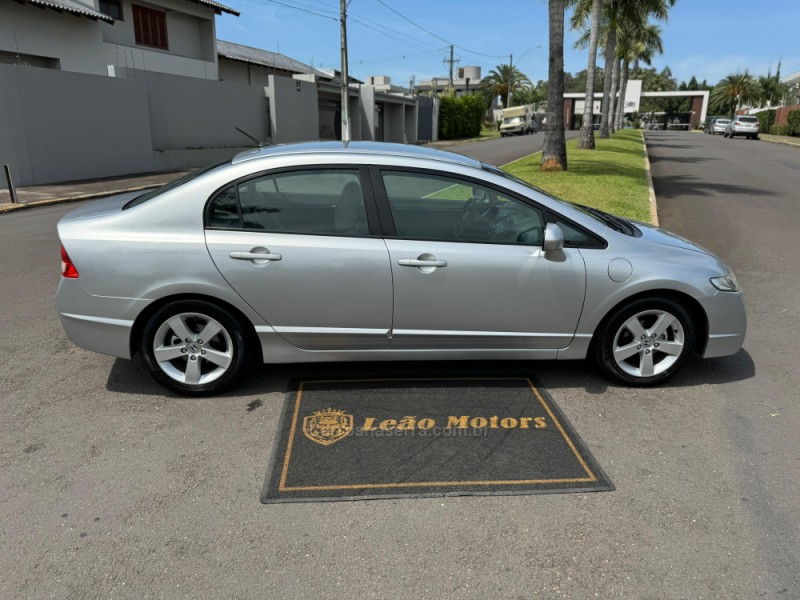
(587, 124)
(616, 13)
(733, 91)
(770, 90)
(637, 42)
(496, 83)
(554, 151)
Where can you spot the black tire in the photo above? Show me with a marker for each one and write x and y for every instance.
(615, 332)
(227, 345)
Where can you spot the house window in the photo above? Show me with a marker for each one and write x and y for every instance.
(112, 8)
(150, 27)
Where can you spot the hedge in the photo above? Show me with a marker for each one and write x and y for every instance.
(779, 130)
(766, 118)
(793, 122)
(460, 117)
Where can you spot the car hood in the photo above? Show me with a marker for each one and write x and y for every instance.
(98, 208)
(656, 235)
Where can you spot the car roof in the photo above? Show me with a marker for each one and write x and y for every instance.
(362, 148)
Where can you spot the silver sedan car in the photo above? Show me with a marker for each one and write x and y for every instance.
(369, 252)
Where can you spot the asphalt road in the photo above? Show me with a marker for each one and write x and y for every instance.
(112, 488)
(503, 150)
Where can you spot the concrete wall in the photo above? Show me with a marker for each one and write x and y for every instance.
(64, 126)
(410, 124)
(293, 110)
(394, 123)
(367, 112)
(60, 126)
(191, 113)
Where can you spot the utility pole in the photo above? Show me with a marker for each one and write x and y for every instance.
(345, 84)
(450, 62)
(510, 78)
(451, 66)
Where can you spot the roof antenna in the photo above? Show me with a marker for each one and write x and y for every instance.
(244, 133)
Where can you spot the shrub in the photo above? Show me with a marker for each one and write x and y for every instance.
(779, 130)
(460, 117)
(793, 127)
(766, 118)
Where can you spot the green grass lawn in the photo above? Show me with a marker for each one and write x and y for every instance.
(612, 177)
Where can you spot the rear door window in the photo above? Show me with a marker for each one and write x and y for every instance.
(313, 201)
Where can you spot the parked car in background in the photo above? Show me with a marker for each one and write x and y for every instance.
(710, 121)
(363, 251)
(742, 125)
(719, 126)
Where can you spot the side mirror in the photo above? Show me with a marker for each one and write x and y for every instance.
(553, 238)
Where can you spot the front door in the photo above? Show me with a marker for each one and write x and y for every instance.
(469, 271)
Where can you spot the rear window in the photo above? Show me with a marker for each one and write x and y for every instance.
(748, 120)
(172, 185)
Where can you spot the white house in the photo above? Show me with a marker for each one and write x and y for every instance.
(165, 36)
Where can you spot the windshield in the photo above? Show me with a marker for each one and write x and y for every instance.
(512, 120)
(171, 185)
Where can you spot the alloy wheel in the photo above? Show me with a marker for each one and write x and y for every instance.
(648, 343)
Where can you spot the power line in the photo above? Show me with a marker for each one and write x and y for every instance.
(438, 37)
(305, 10)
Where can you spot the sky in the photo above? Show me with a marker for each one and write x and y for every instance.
(709, 39)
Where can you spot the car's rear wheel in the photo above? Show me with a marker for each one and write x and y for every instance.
(194, 347)
(645, 342)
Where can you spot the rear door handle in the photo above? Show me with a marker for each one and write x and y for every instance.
(415, 262)
(255, 256)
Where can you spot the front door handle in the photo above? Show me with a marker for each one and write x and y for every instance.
(415, 262)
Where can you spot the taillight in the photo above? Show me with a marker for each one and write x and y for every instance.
(68, 270)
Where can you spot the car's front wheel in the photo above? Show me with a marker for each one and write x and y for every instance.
(645, 342)
(194, 347)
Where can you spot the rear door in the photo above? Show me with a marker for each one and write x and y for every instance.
(302, 248)
(468, 267)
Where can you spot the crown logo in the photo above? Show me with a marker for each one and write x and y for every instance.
(328, 426)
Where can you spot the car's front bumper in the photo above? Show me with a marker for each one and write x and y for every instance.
(727, 323)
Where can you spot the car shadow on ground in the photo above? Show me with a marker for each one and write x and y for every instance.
(131, 377)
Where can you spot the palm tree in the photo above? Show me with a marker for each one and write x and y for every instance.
(587, 128)
(496, 83)
(770, 89)
(554, 151)
(616, 14)
(637, 43)
(732, 91)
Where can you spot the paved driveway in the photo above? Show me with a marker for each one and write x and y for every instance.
(110, 488)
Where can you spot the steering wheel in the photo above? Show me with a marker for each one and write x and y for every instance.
(477, 214)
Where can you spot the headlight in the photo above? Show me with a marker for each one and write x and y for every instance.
(727, 283)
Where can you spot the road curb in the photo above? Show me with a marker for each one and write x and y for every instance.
(651, 189)
(782, 142)
(7, 208)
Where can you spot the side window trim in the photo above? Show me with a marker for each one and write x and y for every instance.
(367, 190)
